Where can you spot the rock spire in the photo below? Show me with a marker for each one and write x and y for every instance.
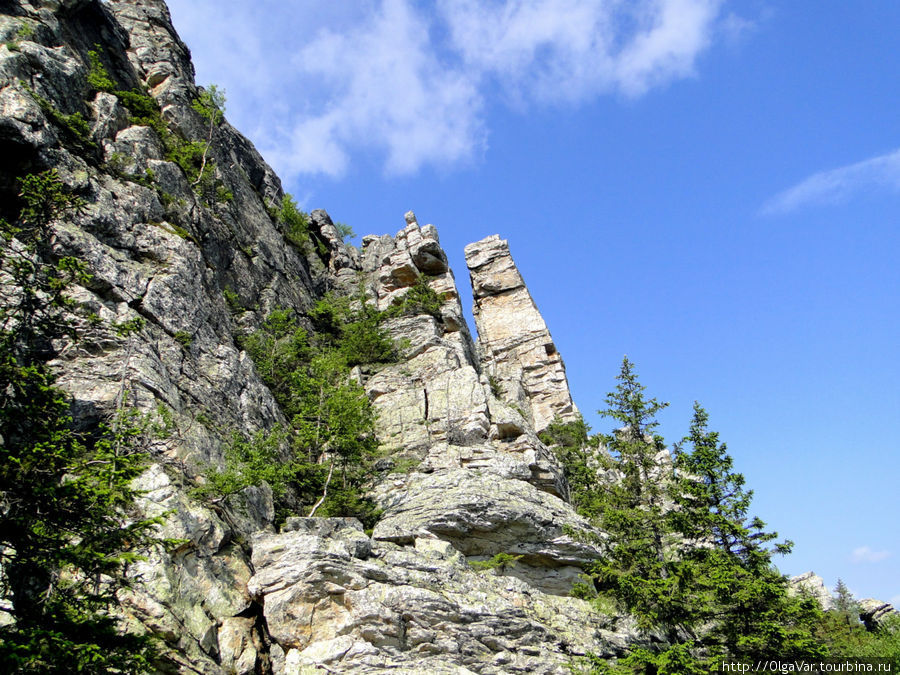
(514, 344)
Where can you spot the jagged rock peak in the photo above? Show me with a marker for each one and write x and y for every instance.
(515, 346)
(812, 584)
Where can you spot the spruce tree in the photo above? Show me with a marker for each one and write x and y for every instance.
(67, 531)
(685, 558)
(643, 569)
(737, 589)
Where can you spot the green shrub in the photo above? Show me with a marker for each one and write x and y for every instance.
(345, 232)
(248, 462)
(295, 221)
(501, 562)
(421, 298)
(183, 338)
(233, 300)
(97, 76)
(211, 104)
(76, 131)
(331, 418)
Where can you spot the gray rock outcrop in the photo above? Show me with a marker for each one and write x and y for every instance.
(873, 612)
(813, 585)
(333, 602)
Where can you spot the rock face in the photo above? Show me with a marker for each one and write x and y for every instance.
(813, 585)
(873, 612)
(334, 602)
(464, 477)
(515, 345)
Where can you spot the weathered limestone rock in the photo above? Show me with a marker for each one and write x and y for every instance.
(436, 406)
(513, 339)
(482, 513)
(464, 472)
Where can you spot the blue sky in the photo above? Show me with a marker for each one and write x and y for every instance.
(710, 187)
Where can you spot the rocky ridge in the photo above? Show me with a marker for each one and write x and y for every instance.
(464, 474)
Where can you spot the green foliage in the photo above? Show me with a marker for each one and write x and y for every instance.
(249, 462)
(183, 338)
(75, 130)
(233, 300)
(98, 79)
(295, 221)
(353, 329)
(580, 456)
(843, 634)
(130, 327)
(405, 464)
(223, 194)
(421, 298)
(331, 435)
(143, 108)
(685, 556)
(67, 530)
(187, 155)
(211, 104)
(501, 562)
(44, 199)
(844, 602)
(191, 156)
(24, 32)
(345, 232)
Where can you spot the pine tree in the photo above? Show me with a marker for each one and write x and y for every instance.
(686, 558)
(67, 532)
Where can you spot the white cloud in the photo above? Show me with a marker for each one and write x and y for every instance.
(839, 185)
(865, 554)
(320, 84)
(576, 49)
(387, 90)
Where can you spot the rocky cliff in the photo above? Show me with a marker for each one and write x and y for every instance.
(201, 266)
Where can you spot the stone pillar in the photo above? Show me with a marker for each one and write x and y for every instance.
(514, 343)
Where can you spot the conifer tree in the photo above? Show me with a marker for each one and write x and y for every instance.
(66, 530)
(643, 570)
(737, 589)
(685, 557)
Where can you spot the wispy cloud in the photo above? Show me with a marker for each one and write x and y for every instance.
(880, 173)
(386, 89)
(317, 87)
(865, 554)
